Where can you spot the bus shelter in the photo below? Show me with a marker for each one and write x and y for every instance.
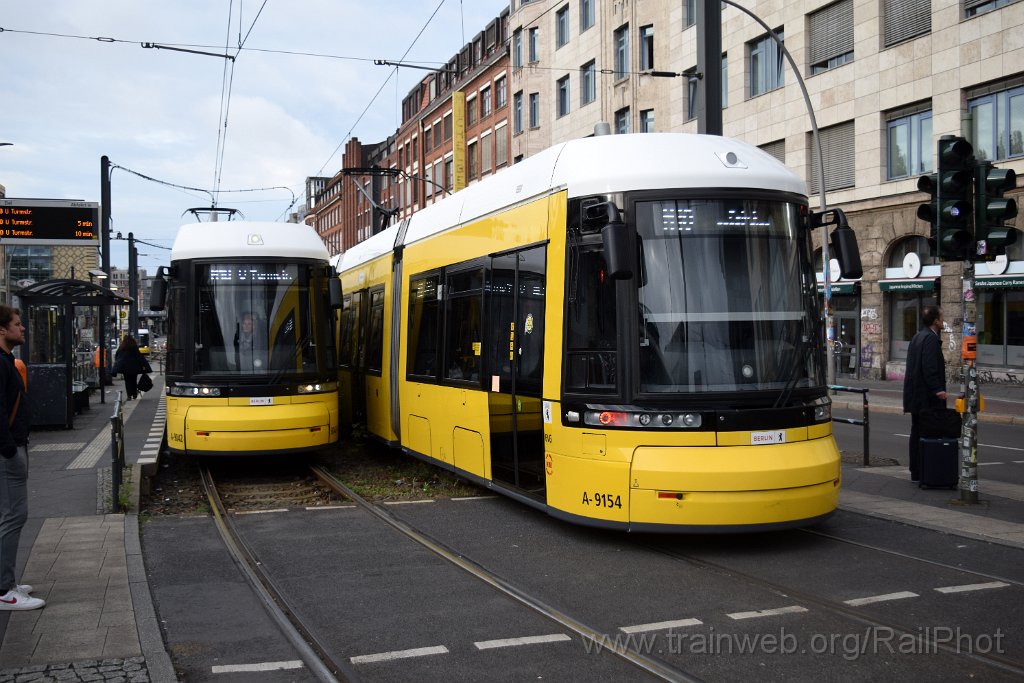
(60, 370)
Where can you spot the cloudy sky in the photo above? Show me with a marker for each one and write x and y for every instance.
(69, 99)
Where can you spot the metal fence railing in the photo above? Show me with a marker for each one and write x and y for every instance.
(116, 453)
(865, 422)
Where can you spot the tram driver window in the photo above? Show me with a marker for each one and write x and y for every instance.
(592, 359)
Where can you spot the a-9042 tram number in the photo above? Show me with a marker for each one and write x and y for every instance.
(602, 500)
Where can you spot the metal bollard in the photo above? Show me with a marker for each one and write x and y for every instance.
(116, 453)
(864, 422)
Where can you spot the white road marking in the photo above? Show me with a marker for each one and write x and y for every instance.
(259, 512)
(399, 654)
(793, 609)
(857, 602)
(475, 498)
(406, 502)
(248, 668)
(982, 464)
(660, 625)
(972, 587)
(983, 445)
(331, 507)
(526, 640)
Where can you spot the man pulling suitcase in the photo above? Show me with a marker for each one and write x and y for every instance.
(924, 383)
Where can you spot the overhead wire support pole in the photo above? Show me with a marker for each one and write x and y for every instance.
(829, 327)
(157, 46)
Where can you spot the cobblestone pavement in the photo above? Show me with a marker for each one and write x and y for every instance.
(131, 670)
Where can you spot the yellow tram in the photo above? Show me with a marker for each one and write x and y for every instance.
(251, 358)
(621, 331)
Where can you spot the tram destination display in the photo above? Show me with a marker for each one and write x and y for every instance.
(48, 221)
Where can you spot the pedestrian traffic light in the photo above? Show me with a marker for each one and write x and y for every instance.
(992, 210)
(929, 211)
(953, 197)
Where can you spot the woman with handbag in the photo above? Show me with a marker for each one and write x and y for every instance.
(130, 362)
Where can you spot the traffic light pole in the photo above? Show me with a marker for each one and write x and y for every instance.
(970, 391)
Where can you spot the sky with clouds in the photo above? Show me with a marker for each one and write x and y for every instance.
(67, 101)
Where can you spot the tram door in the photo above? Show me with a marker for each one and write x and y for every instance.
(360, 302)
(516, 362)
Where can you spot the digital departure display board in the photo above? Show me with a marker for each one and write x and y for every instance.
(48, 221)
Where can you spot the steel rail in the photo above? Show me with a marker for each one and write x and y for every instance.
(994, 661)
(313, 654)
(601, 641)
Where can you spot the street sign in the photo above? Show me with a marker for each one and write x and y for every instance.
(59, 222)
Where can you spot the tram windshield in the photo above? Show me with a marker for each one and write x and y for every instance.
(725, 297)
(259, 319)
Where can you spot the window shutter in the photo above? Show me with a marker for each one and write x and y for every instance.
(777, 149)
(972, 4)
(904, 19)
(831, 31)
(837, 146)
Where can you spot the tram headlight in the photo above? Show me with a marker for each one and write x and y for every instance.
(317, 387)
(611, 418)
(823, 413)
(193, 390)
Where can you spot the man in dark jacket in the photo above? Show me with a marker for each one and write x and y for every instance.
(924, 383)
(14, 425)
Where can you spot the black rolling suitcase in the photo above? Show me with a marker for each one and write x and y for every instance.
(939, 467)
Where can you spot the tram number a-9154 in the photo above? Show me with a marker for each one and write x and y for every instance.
(602, 500)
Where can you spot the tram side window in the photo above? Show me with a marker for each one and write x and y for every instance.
(349, 342)
(375, 332)
(423, 327)
(591, 347)
(178, 334)
(463, 325)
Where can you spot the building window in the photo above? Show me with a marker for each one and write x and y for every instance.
(831, 36)
(621, 43)
(909, 139)
(765, 64)
(449, 174)
(517, 113)
(500, 147)
(486, 154)
(777, 149)
(447, 127)
(1000, 320)
(588, 83)
(973, 8)
(905, 19)
(692, 90)
(517, 48)
(837, 148)
(471, 116)
(906, 307)
(725, 80)
(586, 14)
(485, 102)
(562, 87)
(622, 121)
(646, 48)
(472, 160)
(534, 54)
(426, 140)
(646, 120)
(534, 110)
(561, 27)
(438, 139)
(998, 124)
(500, 92)
(689, 13)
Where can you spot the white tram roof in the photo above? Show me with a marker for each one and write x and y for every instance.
(597, 165)
(247, 239)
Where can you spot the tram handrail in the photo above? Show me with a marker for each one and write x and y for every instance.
(863, 423)
(116, 453)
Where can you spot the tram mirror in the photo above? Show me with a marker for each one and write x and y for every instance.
(334, 292)
(847, 252)
(615, 237)
(158, 297)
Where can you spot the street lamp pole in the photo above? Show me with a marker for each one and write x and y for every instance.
(105, 267)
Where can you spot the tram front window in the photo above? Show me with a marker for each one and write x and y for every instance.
(254, 319)
(725, 300)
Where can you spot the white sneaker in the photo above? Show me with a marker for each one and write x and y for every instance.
(16, 600)
(25, 588)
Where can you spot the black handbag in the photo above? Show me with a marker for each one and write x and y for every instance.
(145, 383)
(940, 423)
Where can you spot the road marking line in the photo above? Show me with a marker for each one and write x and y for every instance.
(247, 668)
(972, 587)
(259, 512)
(475, 498)
(982, 464)
(982, 445)
(793, 609)
(857, 602)
(1018, 462)
(406, 502)
(331, 507)
(399, 654)
(660, 625)
(526, 640)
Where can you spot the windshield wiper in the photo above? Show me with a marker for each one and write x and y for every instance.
(798, 352)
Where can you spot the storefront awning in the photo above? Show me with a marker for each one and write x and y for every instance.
(921, 284)
(1000, 282)
(839, 288)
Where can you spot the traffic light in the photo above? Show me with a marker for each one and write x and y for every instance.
(992, 210)
(929, 211)
(953, 197)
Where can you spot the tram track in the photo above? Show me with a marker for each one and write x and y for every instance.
(835, 607)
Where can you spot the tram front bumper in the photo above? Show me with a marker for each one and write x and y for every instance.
(264, 429)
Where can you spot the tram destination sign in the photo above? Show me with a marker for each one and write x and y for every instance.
(48, 222)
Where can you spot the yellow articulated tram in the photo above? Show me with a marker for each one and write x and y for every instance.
(622, 331)
(251, 358)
